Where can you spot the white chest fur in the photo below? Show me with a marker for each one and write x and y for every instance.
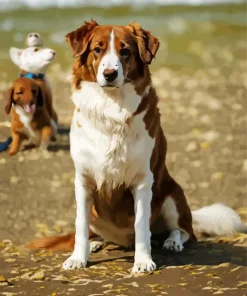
(26, 118)
(106, 140)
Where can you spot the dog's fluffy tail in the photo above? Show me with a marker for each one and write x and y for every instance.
(217, 220)
(56, 243)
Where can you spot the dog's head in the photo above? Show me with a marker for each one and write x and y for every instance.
(34, 39)
(25, 93)
(32, 59)
(112, 55)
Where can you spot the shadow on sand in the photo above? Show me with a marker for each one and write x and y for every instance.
(195, 253)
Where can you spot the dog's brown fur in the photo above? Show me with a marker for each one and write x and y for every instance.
(25, 91)
(48, 96)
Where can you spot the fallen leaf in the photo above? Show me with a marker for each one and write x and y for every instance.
(205, 145)
(61, 278)
(218, 292)
(134, 284)
(38, 276)
(10, 260)
(152, 285)
(98, 267)
(235, 269)
(221, 265)
(217, 175)
(241, 284)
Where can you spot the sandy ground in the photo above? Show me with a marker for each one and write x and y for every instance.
(204, 119)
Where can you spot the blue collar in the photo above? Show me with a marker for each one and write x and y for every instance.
(32, 75)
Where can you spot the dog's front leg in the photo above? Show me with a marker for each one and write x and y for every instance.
(142, 195)
(84, 202)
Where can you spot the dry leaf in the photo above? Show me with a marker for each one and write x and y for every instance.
(242, 284)
(38, 276)
(221, 265)
(10, 260)
(235, 269)
(218, 292)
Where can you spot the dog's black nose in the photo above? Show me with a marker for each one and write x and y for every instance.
(110, 74)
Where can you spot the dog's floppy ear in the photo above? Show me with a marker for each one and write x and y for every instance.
(40, 97)
(9, 100)
(15, 54)
(147, 44)
(79, 39)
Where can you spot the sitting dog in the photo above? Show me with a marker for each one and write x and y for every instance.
(30, 118)
(33, 63)
(34, 39)
(122, 186)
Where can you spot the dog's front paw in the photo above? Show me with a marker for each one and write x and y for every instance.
(12, 152)
(145, 266)
(74, 263)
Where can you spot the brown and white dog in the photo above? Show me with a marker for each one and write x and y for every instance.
(30, 118)
(122, 185)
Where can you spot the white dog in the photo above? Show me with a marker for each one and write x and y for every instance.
(33, 59)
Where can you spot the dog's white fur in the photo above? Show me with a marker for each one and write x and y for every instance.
(123, 157)
(26, 118)
(34, 137)
(217, 219)
(174, 242)
(111, 61)
(33, 61)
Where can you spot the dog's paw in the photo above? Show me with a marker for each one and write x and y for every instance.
(96, 246)
(74, 263)
(146, 266)
(173, 245)
(12, 152)
(44, 145)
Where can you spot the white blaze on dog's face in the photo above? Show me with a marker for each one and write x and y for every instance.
(34, 39)
(110, 70)
(32, 59)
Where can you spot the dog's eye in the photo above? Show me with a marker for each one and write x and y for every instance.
(125, 53)
(36, 49)
(97, 49)
(19, 92)
(35, 35)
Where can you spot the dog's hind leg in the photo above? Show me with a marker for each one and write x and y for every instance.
(96, 245)
(178, 220)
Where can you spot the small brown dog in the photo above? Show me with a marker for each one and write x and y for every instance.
(30, 118)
